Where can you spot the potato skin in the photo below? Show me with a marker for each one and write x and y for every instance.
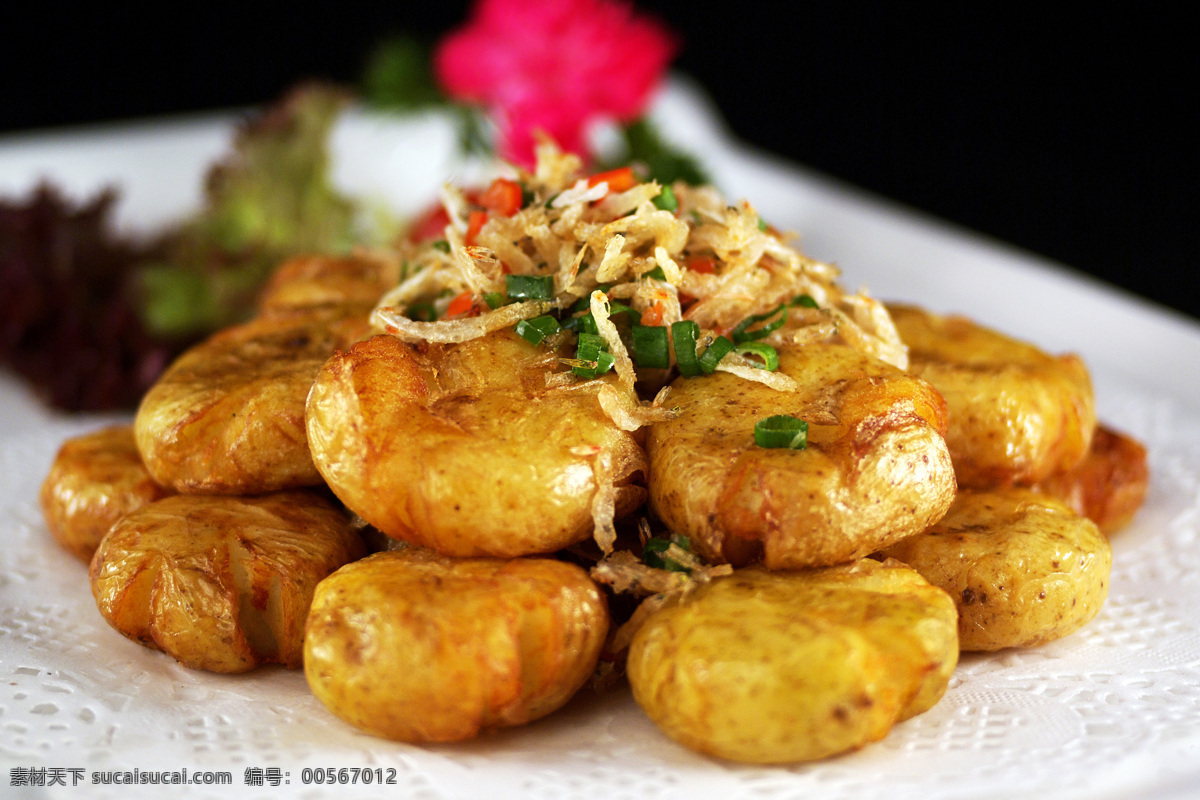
(95, 480)
(227, 417)
(221, 583)
(778, 667)
(462, 449)
(1023, 568)
(414, 646)
(1109, 485)
(879, 472)
(1017, 414)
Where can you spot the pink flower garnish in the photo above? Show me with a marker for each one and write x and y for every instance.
(554, 66)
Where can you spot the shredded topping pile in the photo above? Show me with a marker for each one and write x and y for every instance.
(561, 244)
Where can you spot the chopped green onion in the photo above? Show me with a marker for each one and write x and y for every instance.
(744, 333)
(666, 200)
(615, 308)
(653, 549)
(781, 431)
(656, 273)
(768, 354)
(683, 335)
(709, 359)
(590, 349)
(805, 301)
(495, 299)
(529, 287)
(443, 245)
(422, 312)
(527, 195)
(584, 323)
(762, 224)
(536, 329)
(650, 348)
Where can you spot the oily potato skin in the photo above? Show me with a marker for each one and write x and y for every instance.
(227, 417)
(462, 449)
(1109, 485)
(1017, 414)
(419, 647)
(96, 479)
(1023, 568)
(784, 666)
(221, 583)
(878, 473)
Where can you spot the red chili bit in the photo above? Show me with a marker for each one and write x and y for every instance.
(461, 304)
(502, 197)
(475, 223)
(618, 180)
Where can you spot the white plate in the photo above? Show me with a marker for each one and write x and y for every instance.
(1113, 711)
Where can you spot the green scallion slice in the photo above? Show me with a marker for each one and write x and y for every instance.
(650, 347)
(495, 299)
(615, 308)
(537, 329)
(585, 323)
(422, 312)
(709, 359)
(442, 245)
(768, 354)
(529, 287)
(656, 273)
(805, 301)
(597, 360)
(774, 319)
(683, 336)
(781, 431)
(666, 200)
(656, 546)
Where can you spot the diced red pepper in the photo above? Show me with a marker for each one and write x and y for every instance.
(619, 180)
(460, 305)
(502, 197)
(706, 265)
(475, 223)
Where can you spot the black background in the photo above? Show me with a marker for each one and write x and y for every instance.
(1065, 134)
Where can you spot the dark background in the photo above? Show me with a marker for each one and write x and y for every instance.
(1065, 134)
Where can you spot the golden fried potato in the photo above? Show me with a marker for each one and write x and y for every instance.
(1109, 485)
(777, 667)
(318, 281)
(221, 583)
(1017, 415)
(463, 449)
(228, 416)
(95, 479)
(1022, 567)
(875, 470)
(419, 647)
